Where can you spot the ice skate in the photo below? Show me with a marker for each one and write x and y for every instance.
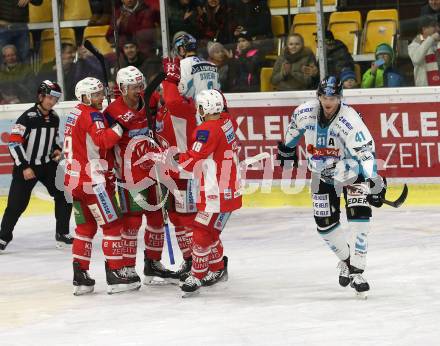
(344, 272)
(360, 285)
(119, 281)
(132, 274)
(183, 272)
(218, 276)
(155, 273)
(62, 240)
(191, 287)
(3, 244)
(82, 282)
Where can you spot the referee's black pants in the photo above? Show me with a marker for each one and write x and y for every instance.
(20, 194)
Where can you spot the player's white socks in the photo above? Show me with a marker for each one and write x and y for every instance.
(358, 243)
(336, 241)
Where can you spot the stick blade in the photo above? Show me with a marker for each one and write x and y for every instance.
(399, 201)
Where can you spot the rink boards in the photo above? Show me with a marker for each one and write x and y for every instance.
(404, 122)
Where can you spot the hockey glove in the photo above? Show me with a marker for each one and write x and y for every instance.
(378, 187)
(286, 155)
(171, 67)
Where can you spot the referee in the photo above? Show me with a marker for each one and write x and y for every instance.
(34, 148)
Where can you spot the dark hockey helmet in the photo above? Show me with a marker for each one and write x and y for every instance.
(49, 88)
(187, 41)
(330, 86)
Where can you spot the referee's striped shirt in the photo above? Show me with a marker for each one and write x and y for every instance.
(34, 137)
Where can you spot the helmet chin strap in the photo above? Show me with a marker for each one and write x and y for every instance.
(40, 103)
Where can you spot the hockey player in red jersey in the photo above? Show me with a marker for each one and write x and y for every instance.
(213, 158)
(138, 194)
(89, 179)
(175, 123)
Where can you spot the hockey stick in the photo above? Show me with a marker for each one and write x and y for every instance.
(92, 49)
(254, 159)
(152, 86)
(399, 201)
(115, 34)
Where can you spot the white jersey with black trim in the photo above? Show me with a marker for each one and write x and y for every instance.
(344, 144)
(197, 74)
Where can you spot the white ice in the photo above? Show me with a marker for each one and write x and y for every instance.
(282, 289)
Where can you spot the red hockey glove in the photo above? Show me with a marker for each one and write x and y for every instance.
(171, 67)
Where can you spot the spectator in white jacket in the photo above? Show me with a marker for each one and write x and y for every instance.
(424, 52)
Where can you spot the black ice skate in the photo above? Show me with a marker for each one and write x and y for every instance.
(119, 281)
(218, 276)
(82, 282)
(191, 286)
(183, 272)
(63, 240)
(131, 273)
(344, 272)
(3, 244)
(155, 273)
(358, 282)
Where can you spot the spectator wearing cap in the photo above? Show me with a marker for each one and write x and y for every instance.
(222, 58)
(348, 79)
(432, 8)
(338, 55)
(248, 62)
(382, 74)
(424, 52)
(291, 69)
(133, 57)
(254, 17)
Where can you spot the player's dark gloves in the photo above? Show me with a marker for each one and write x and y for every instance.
(287, 156)
(378, 188)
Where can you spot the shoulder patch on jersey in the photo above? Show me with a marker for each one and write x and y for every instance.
(226, 126)
(97, 116)
(32, 114)
(202, 136)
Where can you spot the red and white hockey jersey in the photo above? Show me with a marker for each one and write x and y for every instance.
(176, 121)
(88, 143)
(213, 158)
(136, 140)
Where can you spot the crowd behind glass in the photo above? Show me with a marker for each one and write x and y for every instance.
(236, 35)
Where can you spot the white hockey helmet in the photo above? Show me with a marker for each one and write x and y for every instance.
(211, 101)
(128, 76)
(87, 87)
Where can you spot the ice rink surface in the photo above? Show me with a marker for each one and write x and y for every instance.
(282, 289)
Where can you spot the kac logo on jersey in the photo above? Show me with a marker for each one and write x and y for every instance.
(202, 136)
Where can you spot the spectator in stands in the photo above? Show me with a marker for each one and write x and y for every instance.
(14, 16)
(182, 16)
(49, 70)
(223, 59)
(247, 65)
(87, 65)
(338, 55)
(348, 79)
(432, 8)
(14, 76)
(136, 20)
(254, 17)
(382, 74)
(424, 52)
(214, 22)
(133, 57)
(101, 12)
(295, 68)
